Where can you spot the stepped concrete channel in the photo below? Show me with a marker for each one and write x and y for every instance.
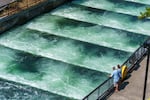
(67, 52)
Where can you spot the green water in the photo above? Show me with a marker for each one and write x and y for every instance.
(105, 18)
(70, 50)
(140, 1)
(63, 49)
(46, 74)
(16, 91)
(95, 34)
(121, 6)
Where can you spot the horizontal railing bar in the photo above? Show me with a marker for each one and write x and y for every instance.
(97, 88)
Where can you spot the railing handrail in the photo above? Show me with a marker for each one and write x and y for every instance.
(86, 97)
(132, 55)
(97, 88)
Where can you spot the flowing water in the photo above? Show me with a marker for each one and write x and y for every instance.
(69, 51)
(86, 32)
(120, 6)
(104, 17)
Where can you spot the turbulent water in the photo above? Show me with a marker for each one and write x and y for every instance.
(14, 91)
(69, 51)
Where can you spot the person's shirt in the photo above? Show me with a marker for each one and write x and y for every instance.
(119, 72)
(115, 75)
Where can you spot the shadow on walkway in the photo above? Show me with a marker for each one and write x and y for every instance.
(123, 85)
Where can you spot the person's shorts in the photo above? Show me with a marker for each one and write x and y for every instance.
(116, 82)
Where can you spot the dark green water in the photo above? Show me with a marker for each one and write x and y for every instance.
(69, 51)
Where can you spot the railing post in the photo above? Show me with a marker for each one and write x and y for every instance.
(147, 45)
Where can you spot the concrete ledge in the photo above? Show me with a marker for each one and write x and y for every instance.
(26, 15)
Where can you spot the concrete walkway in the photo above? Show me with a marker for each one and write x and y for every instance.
(132, 88)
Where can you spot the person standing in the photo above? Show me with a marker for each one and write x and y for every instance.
(116, 78)
(119, 71)
(120, 75)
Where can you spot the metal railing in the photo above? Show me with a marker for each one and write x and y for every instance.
(104, 89)
(17, 6)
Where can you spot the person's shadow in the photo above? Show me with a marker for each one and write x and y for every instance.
(123, 85)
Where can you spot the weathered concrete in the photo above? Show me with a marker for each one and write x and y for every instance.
(25, 15)
(5, 2)
(132, 88)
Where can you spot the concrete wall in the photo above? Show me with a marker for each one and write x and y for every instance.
(26, 15)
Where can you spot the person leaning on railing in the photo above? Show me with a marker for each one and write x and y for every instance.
(116, 78)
